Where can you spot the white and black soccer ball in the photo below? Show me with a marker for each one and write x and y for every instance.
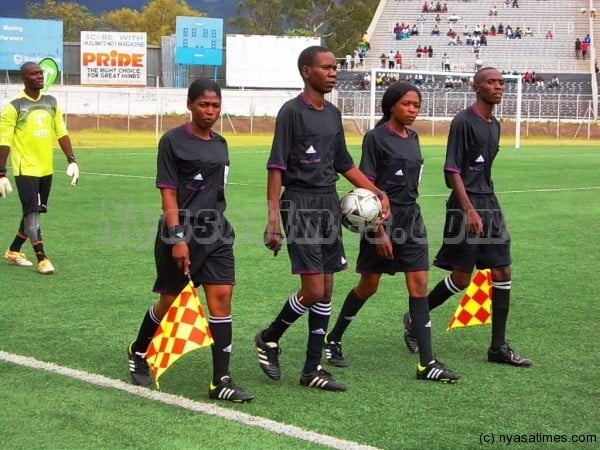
(360, 210)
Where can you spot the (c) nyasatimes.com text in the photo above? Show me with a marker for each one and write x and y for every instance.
(536, 438)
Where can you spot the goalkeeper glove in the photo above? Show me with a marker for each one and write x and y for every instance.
(5, 187)
(73, 172)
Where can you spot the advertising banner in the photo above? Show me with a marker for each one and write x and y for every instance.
(113, 58)
(23, 40)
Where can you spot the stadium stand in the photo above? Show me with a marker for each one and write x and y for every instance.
(535, 51)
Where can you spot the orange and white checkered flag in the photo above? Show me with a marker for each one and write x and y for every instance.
(183, 328)
(475, 306)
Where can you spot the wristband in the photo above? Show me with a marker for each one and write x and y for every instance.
(71, 159)
(2, 171)
(380, 195)
(176, 232)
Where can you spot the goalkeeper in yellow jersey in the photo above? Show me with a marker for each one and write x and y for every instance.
(28, 126)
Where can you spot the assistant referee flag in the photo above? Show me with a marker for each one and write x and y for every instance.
(182, 329)
(474, 308)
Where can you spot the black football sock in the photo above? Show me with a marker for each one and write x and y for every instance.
(500, 306)
(318, 320)
(350, 308)
(291, 311)
(442, 292)
(38, 248)
(20, 238)
(421, 325)
(221, 330)
(147, 329)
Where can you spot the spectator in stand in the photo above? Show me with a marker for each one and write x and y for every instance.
(425, 7)
(383, 60)
(391, 59)
(483, 40)
(587, 39)
(528, 31)
(484, 30)
(398, 31)
(584, 49)
(500, 28)
(493, 11)
(493, 30)
(424, 51)
(478, 63)
(430, 51)
(539, 81)
(518, 33)
(365, 40)
(555, 82)
(414, 31)
(515, 3)
(398, 59)
(527, 77)
(438, 18)
(418, 51)
(577, 48)
(446, 63)
(448, 83)
(444, 8)
(436, 30)
(507, 3)
(549, 34)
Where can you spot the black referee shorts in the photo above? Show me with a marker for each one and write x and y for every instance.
(312, 222)
(462, 250)
(406, 229)
(211, 256)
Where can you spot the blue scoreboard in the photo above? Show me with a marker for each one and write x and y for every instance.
(199, 41)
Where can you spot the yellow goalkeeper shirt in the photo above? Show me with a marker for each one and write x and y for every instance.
(29, 128)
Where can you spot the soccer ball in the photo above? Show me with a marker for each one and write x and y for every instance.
(360, 210)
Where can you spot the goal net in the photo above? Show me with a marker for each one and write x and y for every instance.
(444, 94)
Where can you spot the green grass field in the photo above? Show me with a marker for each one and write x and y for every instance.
(100, 235)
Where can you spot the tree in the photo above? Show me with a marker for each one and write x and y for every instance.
(340, 23)
(75, 17)
(124, 19)
(265, 17)
(158, 17)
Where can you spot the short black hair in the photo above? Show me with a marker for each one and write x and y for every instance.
(307, 56)
(200, 86)
(392, 94)
(25, 65)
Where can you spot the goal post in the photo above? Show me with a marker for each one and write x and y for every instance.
(427, 75)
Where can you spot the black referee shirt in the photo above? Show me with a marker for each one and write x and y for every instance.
(309, 145)
(473, 143)
(393, 163)
(195, 168)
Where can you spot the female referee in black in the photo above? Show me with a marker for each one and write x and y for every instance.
(194, 238)
(391, 157)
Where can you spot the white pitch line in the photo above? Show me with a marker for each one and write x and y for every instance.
(528, 191)
(141, 177)
(525, 191)
(186, 403)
